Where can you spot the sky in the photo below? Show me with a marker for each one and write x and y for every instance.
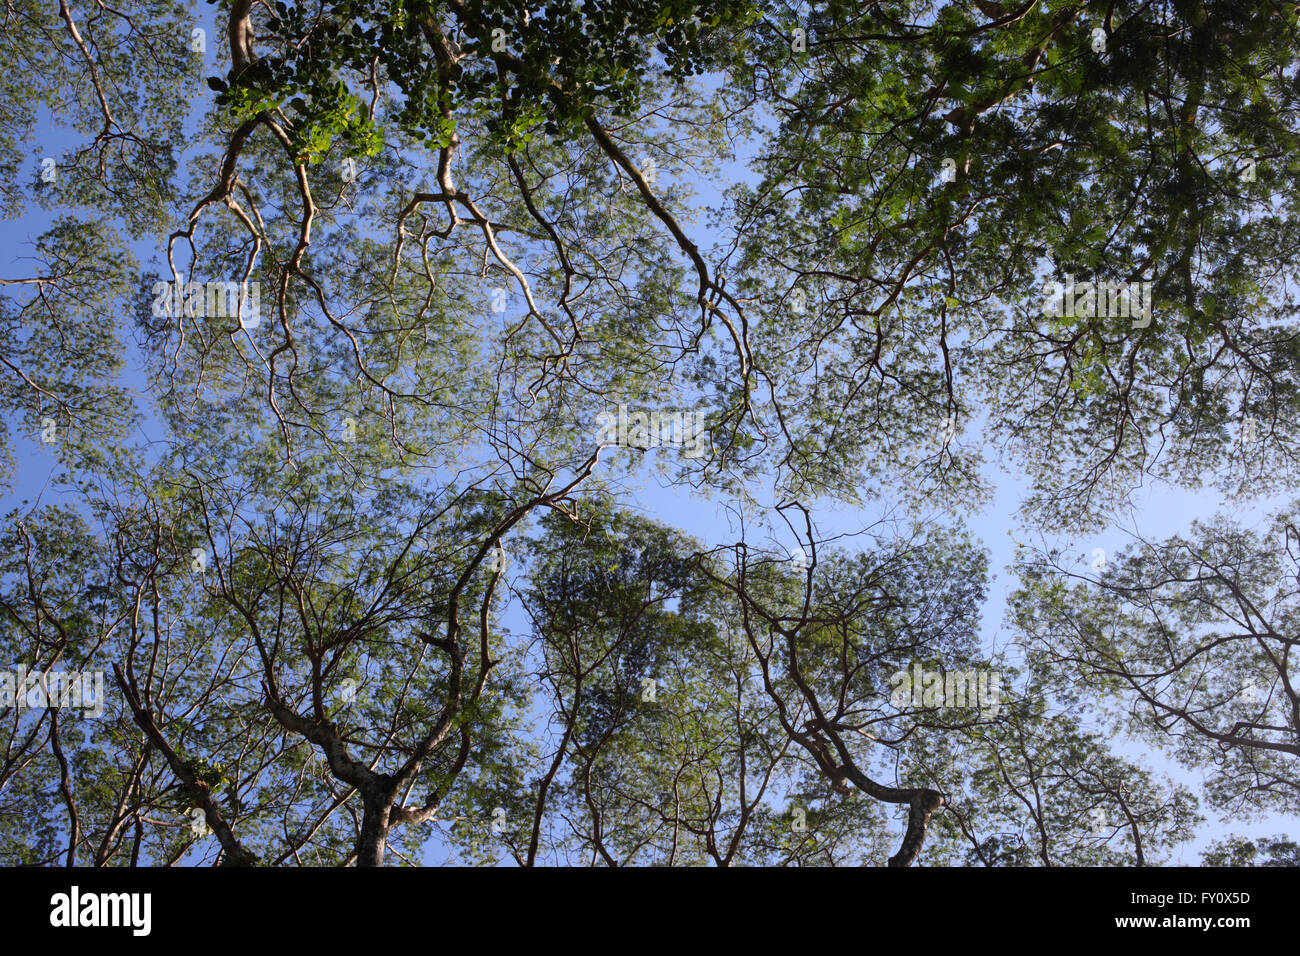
(1160, 510)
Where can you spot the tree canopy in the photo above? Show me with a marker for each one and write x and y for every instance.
(367, 341)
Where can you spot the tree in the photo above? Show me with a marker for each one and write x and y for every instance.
(1239, 852)
(419, 301)
(1191, 637)
(935, 166)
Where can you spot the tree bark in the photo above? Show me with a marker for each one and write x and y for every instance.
(376, 809)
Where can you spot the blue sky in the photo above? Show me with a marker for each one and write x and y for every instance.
(1160, 510)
